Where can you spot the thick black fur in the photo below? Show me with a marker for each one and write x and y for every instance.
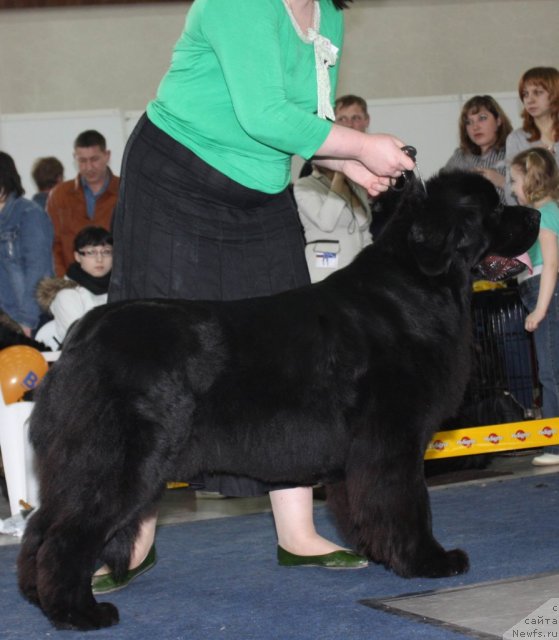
(341, 382)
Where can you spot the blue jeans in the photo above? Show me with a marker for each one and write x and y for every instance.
(546, 340)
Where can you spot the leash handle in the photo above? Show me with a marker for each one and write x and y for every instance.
(410, 151)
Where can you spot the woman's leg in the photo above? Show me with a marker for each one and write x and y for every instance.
(293, 515)
(144, 541)
(142, 545)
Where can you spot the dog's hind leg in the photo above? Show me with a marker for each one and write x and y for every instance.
(65, 562)
(387, 516)
(103, 457)
(83, 532)
(79, 514)
(27, 558)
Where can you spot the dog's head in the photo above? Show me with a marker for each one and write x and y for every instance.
(462, 221)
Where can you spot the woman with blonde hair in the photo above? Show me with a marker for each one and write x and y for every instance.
(539, 92)
(484, 128)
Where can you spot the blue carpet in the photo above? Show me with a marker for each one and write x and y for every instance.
(218, 579)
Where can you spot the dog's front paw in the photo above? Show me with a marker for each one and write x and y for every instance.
(444, 564)
(103, 614)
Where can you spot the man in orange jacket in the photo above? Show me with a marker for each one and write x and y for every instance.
(89, 199)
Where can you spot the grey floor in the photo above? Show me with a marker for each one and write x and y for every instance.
(485, 611)
(481, 611)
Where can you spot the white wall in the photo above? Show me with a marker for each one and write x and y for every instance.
(82, 58)
(399, 48)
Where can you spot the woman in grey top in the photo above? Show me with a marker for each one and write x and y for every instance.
(484, 128)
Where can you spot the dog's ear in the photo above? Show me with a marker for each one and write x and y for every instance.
(431, 243)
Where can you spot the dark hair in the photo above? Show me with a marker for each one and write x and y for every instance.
(548, 78)
(346, 101)
(341, 4)
(47, 172)
(10, 182)
(91, 138)
(92, 237)
(473, 105)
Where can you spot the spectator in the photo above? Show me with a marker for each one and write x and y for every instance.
(535, 183)
(85, 284)
(46, 173)
(351, 111)
(539, 91)
(484, 128)
(89, 199)
(26, 237)
(336, 218)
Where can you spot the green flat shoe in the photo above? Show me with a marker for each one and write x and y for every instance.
(336, 560)
(106, 583)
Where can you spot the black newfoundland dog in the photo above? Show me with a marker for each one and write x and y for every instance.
(340, 382)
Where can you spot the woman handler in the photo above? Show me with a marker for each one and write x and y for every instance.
(204, 211)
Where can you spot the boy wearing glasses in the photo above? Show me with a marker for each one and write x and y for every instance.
(85, 284)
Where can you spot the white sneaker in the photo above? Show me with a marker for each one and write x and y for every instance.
(545, 459)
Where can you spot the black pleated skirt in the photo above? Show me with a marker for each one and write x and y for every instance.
(182, 229)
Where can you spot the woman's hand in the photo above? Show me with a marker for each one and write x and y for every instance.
(359, 174)
(382, 155)
(548, 278)
(369, 159)
(380, 162)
